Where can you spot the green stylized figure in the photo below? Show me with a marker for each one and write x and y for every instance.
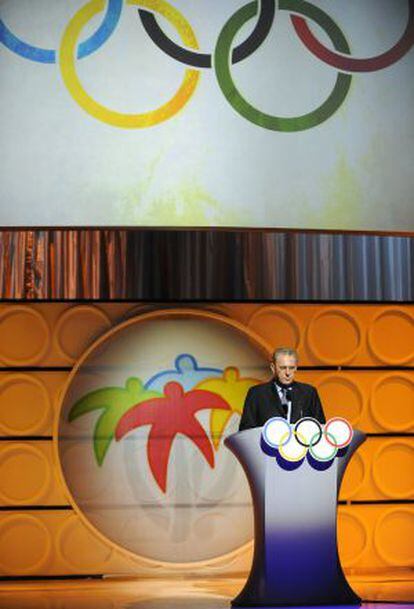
(115, 402)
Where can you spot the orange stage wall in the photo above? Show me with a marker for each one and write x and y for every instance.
(369, 350)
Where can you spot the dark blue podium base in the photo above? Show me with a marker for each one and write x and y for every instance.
(295, 560)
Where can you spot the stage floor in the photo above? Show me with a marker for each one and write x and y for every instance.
(394, 591)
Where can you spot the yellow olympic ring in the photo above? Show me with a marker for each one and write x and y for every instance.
(117, 119)
(283, 447)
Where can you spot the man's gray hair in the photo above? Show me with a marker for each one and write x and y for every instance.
(285, 351)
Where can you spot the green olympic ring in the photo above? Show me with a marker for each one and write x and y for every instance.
(222, 62)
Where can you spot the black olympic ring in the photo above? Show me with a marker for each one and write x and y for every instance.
(264, 23)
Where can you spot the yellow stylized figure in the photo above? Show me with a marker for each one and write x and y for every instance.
(233, 389)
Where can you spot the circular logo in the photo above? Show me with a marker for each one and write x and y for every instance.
(140, 435)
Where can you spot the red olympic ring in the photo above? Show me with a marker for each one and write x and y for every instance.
(350, 64)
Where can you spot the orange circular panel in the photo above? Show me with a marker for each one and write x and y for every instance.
(395, 456)
(239, 311)
(352, 538)
(22, 462)
(341, 398)
(391, 336)
(24, 404)
(79, 549)
(277, 326)
(25, 544)
(354, 477)
(392, 402)
(393, 537)
(24, 336)
(333, 336)
(78, 327)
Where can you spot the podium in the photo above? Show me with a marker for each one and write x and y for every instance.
(295, 559)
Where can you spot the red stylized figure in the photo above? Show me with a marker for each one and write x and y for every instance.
(169, 416)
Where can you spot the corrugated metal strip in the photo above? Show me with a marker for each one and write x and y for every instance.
(117, 264)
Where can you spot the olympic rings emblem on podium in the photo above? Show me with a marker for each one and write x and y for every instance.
(221, 59)
(307, 436)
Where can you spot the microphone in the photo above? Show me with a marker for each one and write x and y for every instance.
(286, 391)
(285, 397)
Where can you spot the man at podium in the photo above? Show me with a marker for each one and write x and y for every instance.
(282, 396)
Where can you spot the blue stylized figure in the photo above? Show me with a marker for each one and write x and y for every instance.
(93, 43)
(187, 372)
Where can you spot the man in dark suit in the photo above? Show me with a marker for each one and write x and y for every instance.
(282, 396)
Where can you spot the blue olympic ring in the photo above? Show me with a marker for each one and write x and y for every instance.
(92, 44)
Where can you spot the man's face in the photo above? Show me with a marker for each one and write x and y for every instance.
(284, 368)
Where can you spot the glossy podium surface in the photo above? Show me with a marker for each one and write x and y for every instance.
(295, 558)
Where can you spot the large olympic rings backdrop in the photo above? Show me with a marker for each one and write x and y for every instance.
(211, 79)
(263, 11)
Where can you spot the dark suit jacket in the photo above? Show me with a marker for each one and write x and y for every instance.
(263, 402)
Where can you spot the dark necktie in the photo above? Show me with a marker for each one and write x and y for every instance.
(285, 397)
